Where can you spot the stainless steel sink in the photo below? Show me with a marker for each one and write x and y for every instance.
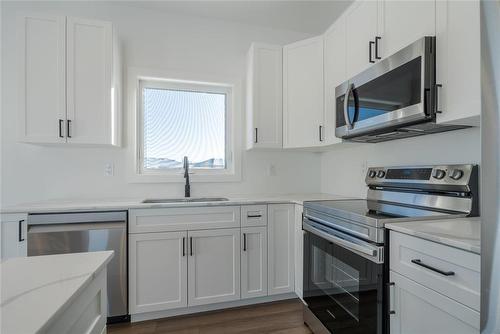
(185, 200)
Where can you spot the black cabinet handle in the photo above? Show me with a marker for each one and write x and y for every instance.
(254, 216)
(191, 245)
(244, 242)
(256, 139)
(370, 47)
(321, 133)
(389, 296)
(68, 125)
(377, 38)
(20, 237)
(60, 128)
(439, 271)
(437, 98)
(183, 246)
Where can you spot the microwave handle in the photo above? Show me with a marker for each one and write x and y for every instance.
(350, 87)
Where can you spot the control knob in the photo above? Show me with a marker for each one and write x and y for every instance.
(456, 174)
(372, 174)
(438, 174)
(380, 174)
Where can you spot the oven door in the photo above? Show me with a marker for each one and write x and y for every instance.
(343, 280)
(393, 93)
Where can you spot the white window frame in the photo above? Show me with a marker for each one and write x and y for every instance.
(140, 78)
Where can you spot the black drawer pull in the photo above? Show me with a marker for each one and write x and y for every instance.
(244, 242)
(254, 216)
(439, 271)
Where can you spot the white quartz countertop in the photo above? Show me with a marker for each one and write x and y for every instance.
(35, 290)
(463, 233)
(136, 203)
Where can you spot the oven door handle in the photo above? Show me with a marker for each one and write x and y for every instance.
(374, 253)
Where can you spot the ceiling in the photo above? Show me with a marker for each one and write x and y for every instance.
(303, 16)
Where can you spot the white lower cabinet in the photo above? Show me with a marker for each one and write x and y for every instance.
(13, 235)
(158, 271)
(418, 310)
(281, 237)
(175, 264)
(213, 266)
(299, 251)
(254, 262)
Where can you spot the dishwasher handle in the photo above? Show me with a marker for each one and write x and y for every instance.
(46, 228)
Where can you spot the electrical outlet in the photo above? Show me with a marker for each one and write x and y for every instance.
(271, 170)
(109, 169)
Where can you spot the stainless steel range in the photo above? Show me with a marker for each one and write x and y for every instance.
(345, 267)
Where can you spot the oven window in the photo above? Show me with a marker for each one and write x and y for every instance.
(342, 288)
(392, 91)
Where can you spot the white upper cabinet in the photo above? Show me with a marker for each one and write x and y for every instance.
(303, 122)
(458, 62)
(264, 96)
(362, 28)
(42, 81)
(70, 89)
(334, 74)
(403, 22)
(90, 111)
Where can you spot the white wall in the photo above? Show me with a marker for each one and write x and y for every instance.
(343, 168)
(153, 40)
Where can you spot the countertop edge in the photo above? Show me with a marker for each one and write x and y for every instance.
(88, 279)
(116, 205)
(434, 238)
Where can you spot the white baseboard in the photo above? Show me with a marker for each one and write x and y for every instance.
(210, 307)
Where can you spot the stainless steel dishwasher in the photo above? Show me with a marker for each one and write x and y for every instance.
(61, 233)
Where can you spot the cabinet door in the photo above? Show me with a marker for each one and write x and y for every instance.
(89, 75)
(361, 22)
(280, 248)
(303, 93)
(299, 251)
(254, 262)
(404, 22)
(334, 74)
(422, 310)
(458, 62)
(42, 82)
(214, 266)
(14, 233)
(265, 96)
(158, 271)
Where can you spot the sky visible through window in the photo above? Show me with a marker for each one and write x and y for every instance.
(183, 123)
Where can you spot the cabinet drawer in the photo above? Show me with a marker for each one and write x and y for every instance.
(254, 215)
(421, 260)
(181, 219)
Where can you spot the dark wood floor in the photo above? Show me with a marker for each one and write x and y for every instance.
(277, 318)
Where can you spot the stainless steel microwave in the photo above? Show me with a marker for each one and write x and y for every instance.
(395, 98)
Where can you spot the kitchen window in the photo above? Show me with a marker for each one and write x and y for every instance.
(178, 118)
